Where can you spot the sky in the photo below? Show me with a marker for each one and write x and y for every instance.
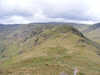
(29, 11)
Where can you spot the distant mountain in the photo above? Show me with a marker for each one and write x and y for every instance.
(7, 29)
(48, 49)
(67, 23)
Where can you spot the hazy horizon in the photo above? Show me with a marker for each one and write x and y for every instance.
(30, 11)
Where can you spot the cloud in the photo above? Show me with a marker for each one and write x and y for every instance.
(27, 11)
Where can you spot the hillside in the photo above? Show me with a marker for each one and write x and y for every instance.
(92, 32)
(45, 49)
(6, 30)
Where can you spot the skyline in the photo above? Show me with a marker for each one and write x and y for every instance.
(28, 11)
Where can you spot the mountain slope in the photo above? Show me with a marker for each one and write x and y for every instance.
(49, 50)
(92, 32)
(93, 27)
(6, 30)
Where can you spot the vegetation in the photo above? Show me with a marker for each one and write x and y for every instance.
(92, 32)
(46, 49)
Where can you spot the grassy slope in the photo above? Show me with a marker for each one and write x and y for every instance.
(94, 35)
(55, 51)
(92, 32)
(5, 30)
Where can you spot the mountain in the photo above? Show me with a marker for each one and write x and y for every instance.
(92, 28)
(79, 25)
(6, 30)
(92, 32)
(48, 49)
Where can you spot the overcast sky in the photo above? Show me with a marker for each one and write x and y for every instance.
(27, 11)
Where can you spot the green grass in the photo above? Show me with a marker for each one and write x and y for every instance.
(58, 50)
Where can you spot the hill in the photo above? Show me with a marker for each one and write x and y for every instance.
(46, 49)
(92, 32)
(6, 30)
